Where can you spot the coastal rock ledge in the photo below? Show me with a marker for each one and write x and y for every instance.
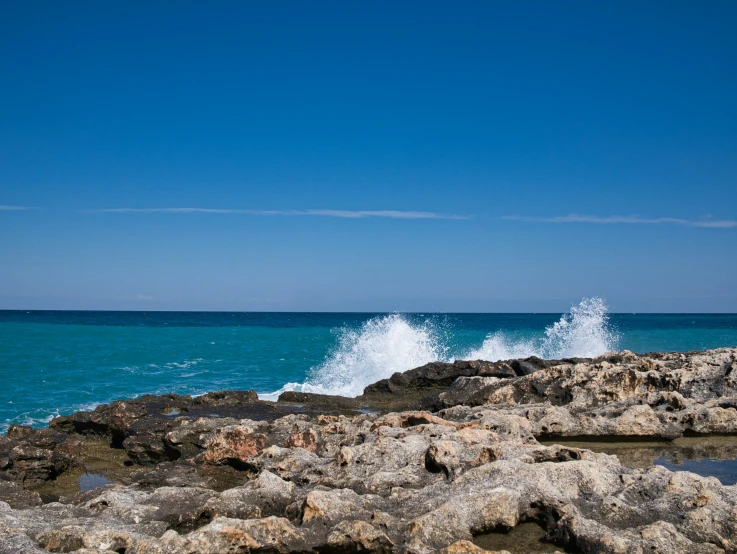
(442, 458)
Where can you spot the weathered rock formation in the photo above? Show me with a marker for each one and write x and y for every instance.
(435, 459)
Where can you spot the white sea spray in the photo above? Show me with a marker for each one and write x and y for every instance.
(391, 343)
(582, 333)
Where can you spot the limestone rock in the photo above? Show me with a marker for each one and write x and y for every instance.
(234, 444)
(437, 456)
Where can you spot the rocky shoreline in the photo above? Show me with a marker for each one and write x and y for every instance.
(441, 458)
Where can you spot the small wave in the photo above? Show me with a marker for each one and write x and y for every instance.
(387, 344)
(183, 365)
(193, 374)
(299, 387)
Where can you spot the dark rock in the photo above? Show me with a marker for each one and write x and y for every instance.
(18, 497)
(418, 388)
(432, 375)
(227, 398)
(33, 466)
(502, 370)
(149, 449)
(525, 367)
(318, 399)
(110, 420)
(171, 474)
(19, 432)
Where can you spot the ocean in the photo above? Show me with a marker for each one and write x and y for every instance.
(57, 362)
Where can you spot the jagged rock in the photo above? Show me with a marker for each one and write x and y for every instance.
(191, 435)
(409, 419)
(264, 477)
(18, 497)
(317, 399)
(66, 539)
(19, 432)
(152, 414)
(266, 495)
(356, 535)
(234, 445)
(109, 419)
(306, 439)
(149, 449)
(269, 534)
(623, 394)
(18, 543)
(171, 474)
(437, 374)
(33, 466)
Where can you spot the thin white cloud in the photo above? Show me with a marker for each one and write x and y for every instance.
(629, 219)
(13, 208)
(345, 214)
(169, 210)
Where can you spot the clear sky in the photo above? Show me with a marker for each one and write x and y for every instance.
(371, 156)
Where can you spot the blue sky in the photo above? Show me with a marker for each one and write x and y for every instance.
(377, 156)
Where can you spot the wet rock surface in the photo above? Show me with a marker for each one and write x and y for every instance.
(446, 457)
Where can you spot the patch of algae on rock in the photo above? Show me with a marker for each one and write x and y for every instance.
(525, 538)
(92, 456)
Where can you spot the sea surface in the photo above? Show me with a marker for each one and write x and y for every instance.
(58, 362)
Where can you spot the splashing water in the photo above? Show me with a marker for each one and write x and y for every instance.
(387, 344)
(582, 333)
(380, 347)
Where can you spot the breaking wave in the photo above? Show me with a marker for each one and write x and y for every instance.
(582, 333)
(380, 347)
(387, 344)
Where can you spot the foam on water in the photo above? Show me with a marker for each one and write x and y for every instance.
(44, 416)
(387, 344)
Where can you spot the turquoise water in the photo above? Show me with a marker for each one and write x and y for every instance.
(58, 362)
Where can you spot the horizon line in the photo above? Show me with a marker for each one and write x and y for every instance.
(418, 312)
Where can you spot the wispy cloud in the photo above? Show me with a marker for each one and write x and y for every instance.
(13, 208)
(629, 219)
(345, 214)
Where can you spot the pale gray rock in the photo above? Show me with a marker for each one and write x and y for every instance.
(412, 481)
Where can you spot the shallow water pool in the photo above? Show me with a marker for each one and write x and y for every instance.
(712, 456)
